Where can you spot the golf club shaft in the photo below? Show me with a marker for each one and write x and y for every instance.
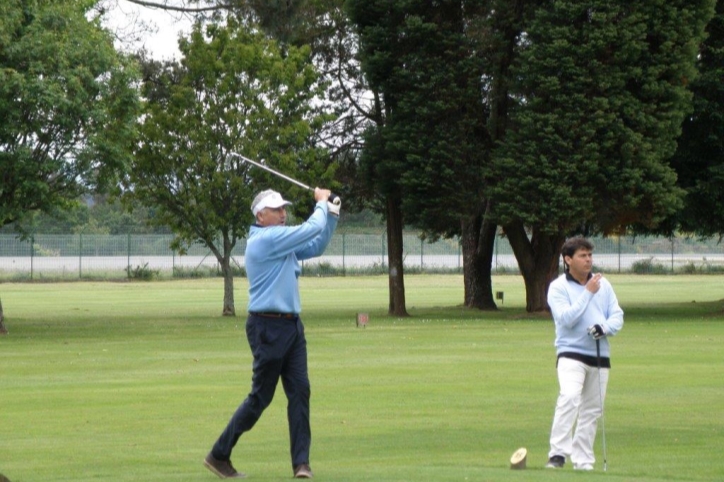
(276, 173)
(332, 198)
(600, 395)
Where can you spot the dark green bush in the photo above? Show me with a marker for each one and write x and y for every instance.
(648, 266)
(143, 273)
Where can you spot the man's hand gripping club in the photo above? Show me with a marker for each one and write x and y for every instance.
(596, 331)
(324, 195)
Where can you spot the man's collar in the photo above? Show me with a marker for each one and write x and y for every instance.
(569, 277)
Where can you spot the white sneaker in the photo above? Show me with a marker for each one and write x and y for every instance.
(583, 467)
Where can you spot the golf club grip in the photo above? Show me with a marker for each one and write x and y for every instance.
(334, 199)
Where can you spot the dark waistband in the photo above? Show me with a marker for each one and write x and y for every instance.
(272, 314)
(591, 361)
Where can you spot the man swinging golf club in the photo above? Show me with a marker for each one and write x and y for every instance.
(274, 329)
(586, 313)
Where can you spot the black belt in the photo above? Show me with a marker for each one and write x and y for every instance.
(271, 314)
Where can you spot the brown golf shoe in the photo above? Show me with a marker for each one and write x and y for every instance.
(303, 471)
(222, 468)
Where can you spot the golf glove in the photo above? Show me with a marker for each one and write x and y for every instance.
(334, 207)
(596, 331)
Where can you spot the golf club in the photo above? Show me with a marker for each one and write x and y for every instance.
(332, 198)
(600, 394)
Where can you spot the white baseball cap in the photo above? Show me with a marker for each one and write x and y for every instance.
(267, 199)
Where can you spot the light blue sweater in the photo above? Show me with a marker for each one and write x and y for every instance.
(575, 309)
(272, 259)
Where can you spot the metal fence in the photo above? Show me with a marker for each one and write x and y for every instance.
(120, 256)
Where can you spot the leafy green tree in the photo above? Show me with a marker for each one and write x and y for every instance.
(233, 92)
(68, 106)
(99, 214)
(433, 144)
(378, 25)
(323, 26)
(602, 91)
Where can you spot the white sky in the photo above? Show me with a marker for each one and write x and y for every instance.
(126, 20)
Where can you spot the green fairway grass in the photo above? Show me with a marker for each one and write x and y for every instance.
(134, 382)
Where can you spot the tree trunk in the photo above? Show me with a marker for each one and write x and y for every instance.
(229, 308)
(538, 262)
(224, 259)
(3, 330)
(478, 241)
(394, 255)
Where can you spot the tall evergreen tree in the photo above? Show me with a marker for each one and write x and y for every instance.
(602, 92)
(435, 131)
(382, 161)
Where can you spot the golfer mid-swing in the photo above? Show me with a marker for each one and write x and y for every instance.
(274, 329)
(586, 312)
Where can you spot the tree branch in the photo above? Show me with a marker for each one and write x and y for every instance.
(164, 6)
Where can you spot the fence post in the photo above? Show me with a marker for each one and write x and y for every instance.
(460, 251)
(128, 262)
(383, 249)
(344, 250)
(619, 254)
(496, 243)
(80, 255)
(672, 253)
(421, 255)
(32, 254)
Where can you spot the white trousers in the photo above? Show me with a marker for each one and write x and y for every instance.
(580, 405)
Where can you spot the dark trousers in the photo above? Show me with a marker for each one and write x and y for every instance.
(280, 351)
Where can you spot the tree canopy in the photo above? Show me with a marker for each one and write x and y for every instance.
(68, 106)
(431, 146)
(601, 91)
(603, 94)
